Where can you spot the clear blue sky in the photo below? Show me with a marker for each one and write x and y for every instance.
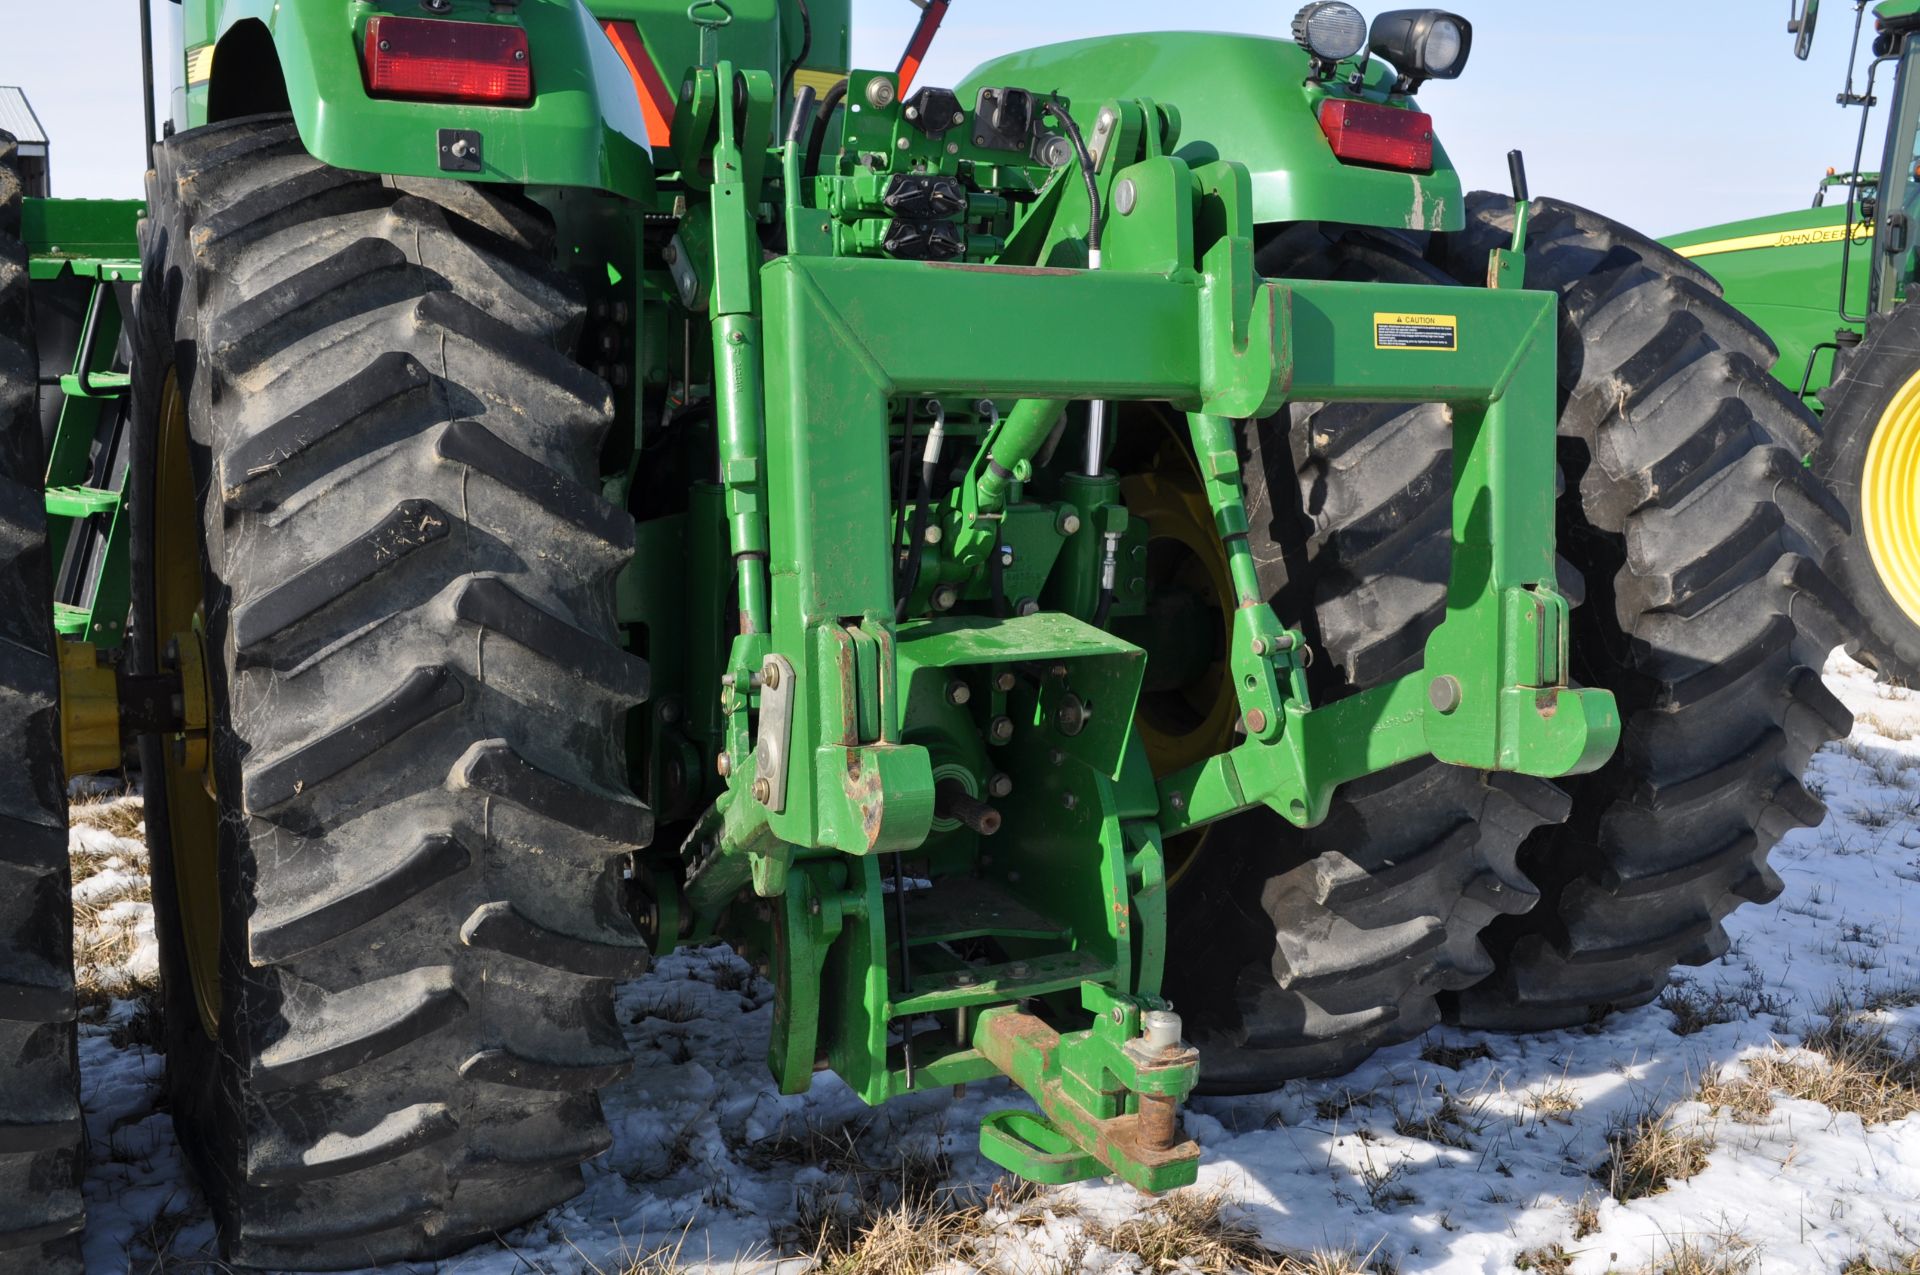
(1665, 113)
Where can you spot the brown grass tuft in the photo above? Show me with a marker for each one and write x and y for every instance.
(1855, 1066)
(1548, 1259)
(1200, 1231)
(1452, 1056)
(1648, 1153)
(1723, 1255)
(1899, 1264)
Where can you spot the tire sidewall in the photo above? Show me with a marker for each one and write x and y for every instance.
(1892, 352)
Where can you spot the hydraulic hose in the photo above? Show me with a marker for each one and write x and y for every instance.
(822, 117)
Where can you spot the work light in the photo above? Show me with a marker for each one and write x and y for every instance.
(1422, 44)
(1331, 31)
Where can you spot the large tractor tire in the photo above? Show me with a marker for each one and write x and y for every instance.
(1869, 457)
(1691, 542)
(1297, 953)
(41, 1135)
(1709, 614)
(387, 872)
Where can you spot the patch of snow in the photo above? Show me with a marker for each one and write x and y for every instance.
(1439, 1169)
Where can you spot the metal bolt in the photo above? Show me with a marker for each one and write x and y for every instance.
(723, 764)
(1018, 969)
(900, 145)
(1123, 196)
(770, 676)
(1068, 800)
(965, 980)
(671, 253)
(959, 117)
(519, 55)
(1000, 729)
(1003, 680)
(1055, 756)
(762, 790)
(912, 112)
(1026, 606)
(880, 91)
(958, 692)
(944, 597)
(1000, 784)
(1068, 523)
(933, 535)
(1119, 1015)
(813, 907)
(1256, 721)
(736, 337)
(953, 148)
(1443, 692)
(1160, 1028)
(1259, 646)
(1177, 801)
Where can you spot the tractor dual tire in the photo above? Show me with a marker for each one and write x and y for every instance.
(417, 700)
(1881, 372)
(1299, 952)
(1691, 542)
(41, 1134)
(1705, 545)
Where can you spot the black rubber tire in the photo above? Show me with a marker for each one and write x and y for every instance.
(418, 701)
(1709, 614)
(41, 1134)
(1873, 373)
(1298, 953)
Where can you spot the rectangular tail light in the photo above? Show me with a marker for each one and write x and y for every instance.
(436, 61)
(1369, 133)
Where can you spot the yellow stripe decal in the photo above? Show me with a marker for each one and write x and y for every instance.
(200, 64)
(1778, 239)
(818, 81)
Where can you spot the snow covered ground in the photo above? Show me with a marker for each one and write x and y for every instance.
(1459, 1153)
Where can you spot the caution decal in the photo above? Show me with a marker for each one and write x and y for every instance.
(1416, 332)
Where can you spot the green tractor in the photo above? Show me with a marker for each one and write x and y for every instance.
(1828, 285)
(1071, 573)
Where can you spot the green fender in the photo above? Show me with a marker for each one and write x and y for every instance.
(1244, 98)
(583, 128)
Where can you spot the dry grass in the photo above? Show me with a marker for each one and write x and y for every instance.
(1726, 1255)
(1695, 1008)
(1647, 1153)
(1899, 1264)
(1847, 1062)
(1554, 1101)
(1586, 1217)
(1548, 1259)
(928, 1227)
(1452, 1056)
(122, 814)
(1201, 1232)
(1451, 1123)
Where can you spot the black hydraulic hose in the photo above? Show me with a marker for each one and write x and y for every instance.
(824, 116)
(802, 108)
(917, 532)
(806, 47)
(1080, 151)
(1100, 611)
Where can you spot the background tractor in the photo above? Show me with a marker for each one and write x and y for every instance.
(1828, 285)
(1071, 573)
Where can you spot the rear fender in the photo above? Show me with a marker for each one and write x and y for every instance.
(583, 128)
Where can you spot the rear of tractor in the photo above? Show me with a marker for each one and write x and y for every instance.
(579, 507)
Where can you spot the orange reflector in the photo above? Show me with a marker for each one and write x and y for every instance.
(1368, 133)
(448, 61)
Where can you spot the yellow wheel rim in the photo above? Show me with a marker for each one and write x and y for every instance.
(179, 605)
(1172, 500)
(1890, 498)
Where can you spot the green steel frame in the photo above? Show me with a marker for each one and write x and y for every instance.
(86, 251)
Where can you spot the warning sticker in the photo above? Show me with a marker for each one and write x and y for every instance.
(1416, 332)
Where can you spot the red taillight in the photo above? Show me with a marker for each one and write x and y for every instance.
(448, 61)
(1368, 133)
